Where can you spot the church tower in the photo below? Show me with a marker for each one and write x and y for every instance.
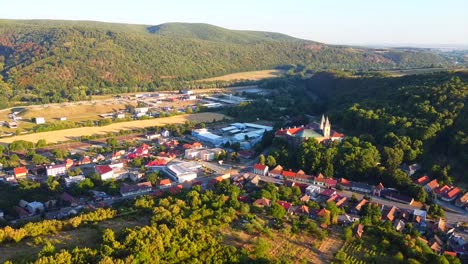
(322, 123)
(326, 129)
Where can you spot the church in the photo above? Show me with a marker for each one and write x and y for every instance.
(321, 132)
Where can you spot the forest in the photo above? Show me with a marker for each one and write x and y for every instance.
(389, 121)
(57, 61)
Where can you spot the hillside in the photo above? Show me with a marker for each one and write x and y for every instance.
(45, 61)
(219, 34)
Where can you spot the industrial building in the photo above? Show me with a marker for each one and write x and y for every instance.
(183, 171)
(246, 134)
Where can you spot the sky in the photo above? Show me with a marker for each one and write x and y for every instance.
(366, 22)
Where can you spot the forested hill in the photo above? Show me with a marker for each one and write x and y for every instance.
(52, 61)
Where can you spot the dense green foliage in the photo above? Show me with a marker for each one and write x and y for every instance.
(56, 61)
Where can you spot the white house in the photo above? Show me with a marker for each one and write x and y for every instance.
(260, 169)
(105, 171)
(56, 170)
(71, 180)
(39, 120)
(165, 133)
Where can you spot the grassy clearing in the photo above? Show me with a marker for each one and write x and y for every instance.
(296, 248)
(72, 134)
(82, 237)
(251, 75)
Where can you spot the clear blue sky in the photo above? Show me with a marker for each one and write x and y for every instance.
(330, 21)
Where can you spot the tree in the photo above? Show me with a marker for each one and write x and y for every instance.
(41, 143)
(277, 211)
(112, 142)
(436, 211)
(261, 159)
(392, 158)
(86, 184)
(153, 177)
(271, 162)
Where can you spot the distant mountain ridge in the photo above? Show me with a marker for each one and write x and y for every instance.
(54, 60)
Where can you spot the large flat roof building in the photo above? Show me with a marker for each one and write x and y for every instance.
(183, 171)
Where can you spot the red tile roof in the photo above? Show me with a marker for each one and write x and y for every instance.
(432, 184)
(103, 169)
(134, 188)
(453, 193)
(341, 201)
(157, 162)
(450, 253)
(284, 204)
(289, 131)
(322, 212)
(165, 182)
(379, 187)
(260, 167)
(262, 202)
(424, 179)
(328, 192)
(303, 209)
(289, 174)
(335, 134)
(20, 170)
(361, 204)
(442, 190)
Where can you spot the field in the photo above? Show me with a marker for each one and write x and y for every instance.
(72, 134)
(251, 75)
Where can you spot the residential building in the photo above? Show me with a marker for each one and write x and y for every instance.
(361, 187)
(324, 182)
(105, 172)
(378, 189)
(391, 195)
(262, 202)
(20, 172)
(451, 195)
(72, 180)
(462, 201)
(422, 180)
(302, 210)
(276, 172)
(135, 189)
(410, 169)
(260, 169)
(56, 170)
(431, 186)
(166, 183)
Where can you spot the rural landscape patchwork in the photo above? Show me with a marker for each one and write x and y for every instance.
(186, 142)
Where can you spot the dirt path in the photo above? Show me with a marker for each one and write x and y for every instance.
(74, 133)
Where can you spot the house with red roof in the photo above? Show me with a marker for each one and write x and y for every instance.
(359, 230)
(276, 172)
(462, 201)
(341, 202)
(324, 182)
(287, 206)
(346, 184)
(390, 214)
(69, 163)
(156, 165)
(104, 171)
(451, 195)
(422, 180)
(322, 212)
(431, 186)
(85, 160)
(20, 172)
(260, 169)
(165, 183)
(378, 188)
(361, 204)
(262, 202)
(328, 193)
(289, 175)
(302, 210)
(441, 191)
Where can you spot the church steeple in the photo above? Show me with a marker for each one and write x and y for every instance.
(327, 128)
(322, 123)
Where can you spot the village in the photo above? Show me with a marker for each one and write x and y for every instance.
(161, 164)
